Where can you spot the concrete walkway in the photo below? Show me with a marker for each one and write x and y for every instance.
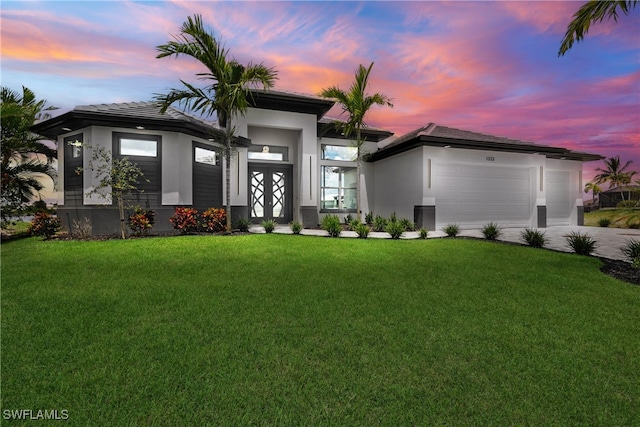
(609, 240)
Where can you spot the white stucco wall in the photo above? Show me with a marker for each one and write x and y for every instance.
(398, 183)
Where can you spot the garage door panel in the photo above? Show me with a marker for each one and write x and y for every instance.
(472, 195)
(559, 200)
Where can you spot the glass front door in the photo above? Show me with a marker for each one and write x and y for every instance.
(270, 193)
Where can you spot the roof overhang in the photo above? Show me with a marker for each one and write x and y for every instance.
(286, 101)
(436, 141)
(75, 120)
(329, 129)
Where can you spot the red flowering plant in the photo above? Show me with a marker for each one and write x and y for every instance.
(44, 225)
(214, 220)
(141, 221)
(185, 220)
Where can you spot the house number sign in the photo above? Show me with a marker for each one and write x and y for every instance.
(490, 158)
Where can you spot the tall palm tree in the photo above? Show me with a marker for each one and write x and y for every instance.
(592, 11)
(355, 103)
(23, 154)
(594, 188)
(227, 92)
(615, 174)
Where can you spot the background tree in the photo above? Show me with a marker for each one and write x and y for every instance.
(594, 188)
(24, 156)
(592, 11)
(356, 103)
(615, 174)
(229, 82)
(117, 178)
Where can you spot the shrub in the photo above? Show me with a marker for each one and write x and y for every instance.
(491, 231)
(533, 238)
(423, 233)
(628, 204)
(44, 225)
(393, 218)
(582, 244)
(354, 223)
(632, 251)
(407, 224)
(244, 224)
(331, 224)
(379, 223)
(604, 222)
(395, 229)
(348, 219)
(214, 220)
(141, 221)
(368, 219)
(185, 220)
(362, 230)
(296, 227)
(452, 230)
(269, 225)
(82, 228)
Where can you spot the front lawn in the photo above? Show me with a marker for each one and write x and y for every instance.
(619, 218)
(292, 330)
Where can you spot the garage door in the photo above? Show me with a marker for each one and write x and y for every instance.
(559, 201)
(473, 195)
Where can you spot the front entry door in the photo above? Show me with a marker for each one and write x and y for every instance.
(270, 192)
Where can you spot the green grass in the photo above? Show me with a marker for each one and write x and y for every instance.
(620, 218)
(290, 330)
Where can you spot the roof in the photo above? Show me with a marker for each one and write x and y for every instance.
(327, 128)
(622, 188)
(134, 115)
(442, 136)
(290, 101)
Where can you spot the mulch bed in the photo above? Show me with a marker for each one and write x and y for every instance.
(621, 270)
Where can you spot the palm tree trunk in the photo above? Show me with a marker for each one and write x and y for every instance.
(121, 212)
(228, 174)
(358, 160)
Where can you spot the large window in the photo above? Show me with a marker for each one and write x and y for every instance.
(208, 157)
(339, 188)
(339, 152)
(268, 152)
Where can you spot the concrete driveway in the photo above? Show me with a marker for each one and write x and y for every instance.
(609, 240)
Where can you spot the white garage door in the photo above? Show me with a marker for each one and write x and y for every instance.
(559, 201)
(473, 195)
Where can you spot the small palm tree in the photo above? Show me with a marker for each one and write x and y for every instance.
(23, 154)
(594, 188)
(229, 83)
(615, 174)
(356, 103)
(592, 11)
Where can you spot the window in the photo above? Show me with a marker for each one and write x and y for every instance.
(266, 152)
(339, 188)
(209, 157)
(339, 152)
(138, 147)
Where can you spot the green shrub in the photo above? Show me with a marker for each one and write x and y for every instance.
(185, 220)
(604, 222)
(348, 219)
(269, 225)
(632, 251)
(407, 224)
(368, 219)
(393, 218)
(395, 229)
(491, 231)
(44, 225)
(533, 238)
(331, 224)
(296, 227)
(452, 230)
(214, 220)
(628, 204)
(354, 223)
(362, 230)
(140, 221)
(582, 244)
(423, 233)
(244, 224)
(379, 223)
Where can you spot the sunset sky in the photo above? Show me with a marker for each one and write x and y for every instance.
(485, 66)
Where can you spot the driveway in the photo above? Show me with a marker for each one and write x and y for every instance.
(609, 240)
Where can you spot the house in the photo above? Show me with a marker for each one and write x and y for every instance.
(292, 164)
(611, 197)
